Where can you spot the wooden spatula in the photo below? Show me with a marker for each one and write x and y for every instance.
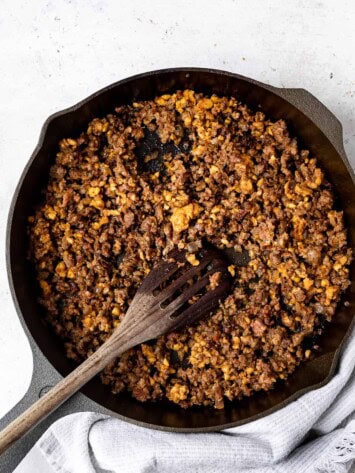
(174, 294)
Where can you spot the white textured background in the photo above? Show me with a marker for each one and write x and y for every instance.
(53, 54)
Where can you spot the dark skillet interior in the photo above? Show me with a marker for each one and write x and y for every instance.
(164, 415)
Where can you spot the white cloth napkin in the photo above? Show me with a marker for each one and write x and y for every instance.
(89, 442)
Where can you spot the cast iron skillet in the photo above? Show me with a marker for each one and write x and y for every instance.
(317, 129)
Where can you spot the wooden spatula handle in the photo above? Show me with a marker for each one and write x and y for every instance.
(62, 391)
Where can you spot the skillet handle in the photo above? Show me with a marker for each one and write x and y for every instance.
(43, 378)
(118, 343)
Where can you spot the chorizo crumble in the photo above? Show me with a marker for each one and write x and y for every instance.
(241, 182)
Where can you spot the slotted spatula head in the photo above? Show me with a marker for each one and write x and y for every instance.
(176, 293)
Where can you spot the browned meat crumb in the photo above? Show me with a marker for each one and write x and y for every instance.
(242, 183)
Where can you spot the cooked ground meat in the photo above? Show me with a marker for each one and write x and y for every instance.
(239, 182)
